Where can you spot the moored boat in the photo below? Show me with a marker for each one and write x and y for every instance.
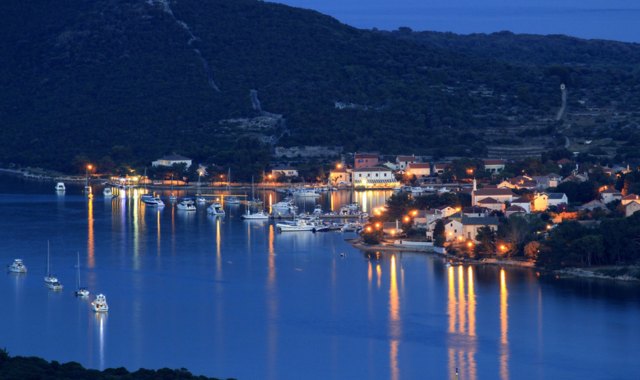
(17, 266)
(186, 205)
(99, 305)
(215, 209)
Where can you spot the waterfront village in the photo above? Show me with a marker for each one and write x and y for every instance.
(555, 211)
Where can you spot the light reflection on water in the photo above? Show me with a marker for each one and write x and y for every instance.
(224, 292)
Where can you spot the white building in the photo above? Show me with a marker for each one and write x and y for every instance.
(374, 177)
(542, 201)
(494, 166)
(403, 161)
(171, 160)
(501, 195)
(610, 195)
(419, 169)
(284, 172)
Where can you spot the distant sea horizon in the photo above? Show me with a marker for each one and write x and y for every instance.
(613, 23)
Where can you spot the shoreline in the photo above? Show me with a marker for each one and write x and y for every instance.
(565, 273)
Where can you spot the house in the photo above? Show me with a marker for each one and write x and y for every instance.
(419, 169)
(629, 198)
(365, 160)
(445, 211)
(501, 195)
(519, 182)
(440, 167)
(523, 203)
(475, 211)
(576, 178)
(172, 159)
(547, 181)
(453, 230)
(403, 161)
(378, 176)
(494, 166)
(542, 201)
(610, 195)
(340, 177)
(472, 225)
(514, 210)
(593, 205)
(284, 172)
(492, 204)
(631, 208)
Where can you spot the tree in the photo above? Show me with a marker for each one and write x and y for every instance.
(531, 250)
(486, 239)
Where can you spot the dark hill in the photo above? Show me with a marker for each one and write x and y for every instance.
(123, 81)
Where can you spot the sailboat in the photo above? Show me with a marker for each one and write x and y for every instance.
(253, 201)
(172, 197)
(199, 198)
(230, 200)
(49, 279)
(260, 215)
(80, 291)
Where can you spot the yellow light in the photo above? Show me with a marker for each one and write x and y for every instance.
(369, 229)
(407, 219)
(470, 244)
(89, 167)
(392, 232)
(414, 212)
(377, 225)
(503, 247)
(339, 166)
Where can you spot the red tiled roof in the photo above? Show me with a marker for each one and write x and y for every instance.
(631, 197)
(489, 201)
(373, 169)
(493, 162)
(419, 165)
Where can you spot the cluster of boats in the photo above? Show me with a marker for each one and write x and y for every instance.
(99, 304)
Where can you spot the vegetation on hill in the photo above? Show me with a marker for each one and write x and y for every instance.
(121, 82)
(28, 368)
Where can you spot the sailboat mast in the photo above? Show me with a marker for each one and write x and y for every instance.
(48, 268)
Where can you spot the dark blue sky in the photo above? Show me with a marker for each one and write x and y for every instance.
(605, 19)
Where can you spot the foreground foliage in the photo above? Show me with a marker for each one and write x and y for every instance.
(32, 368)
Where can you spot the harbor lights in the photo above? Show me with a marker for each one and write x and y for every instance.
(339, 165)
(406, 219)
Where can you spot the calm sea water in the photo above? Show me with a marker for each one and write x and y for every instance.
(237, 299)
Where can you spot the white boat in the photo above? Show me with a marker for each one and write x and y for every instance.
(317, 210)
(17, 266)
(87, 189)
(297, 225)
(152, 201)
(215, 209)
(284, 208)
(306, 193)
(201, 200)
(107, 192)
(54, 286)
(49, 279)
(186, 205)
(60, 187)
(80, 291)
(173, 198)
(260, 215)
(99, 305)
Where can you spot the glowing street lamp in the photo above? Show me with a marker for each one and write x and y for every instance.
(407, 219)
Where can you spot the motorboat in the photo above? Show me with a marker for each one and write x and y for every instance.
(173, 198)
(186, 205)
(17, 266)
(87, 189)
(283, 208)
(317, 210)
(152, 201)
(260, 215)
(49, 279)
(107, 192)
(60, 187)
(54, 285)
(306, 193)
(99, 305)
(298, 225)
(201, 200)
(80, 291)
(215, 209)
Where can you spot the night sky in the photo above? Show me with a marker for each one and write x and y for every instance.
(610, 19)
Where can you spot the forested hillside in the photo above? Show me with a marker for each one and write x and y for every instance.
(120, 82)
